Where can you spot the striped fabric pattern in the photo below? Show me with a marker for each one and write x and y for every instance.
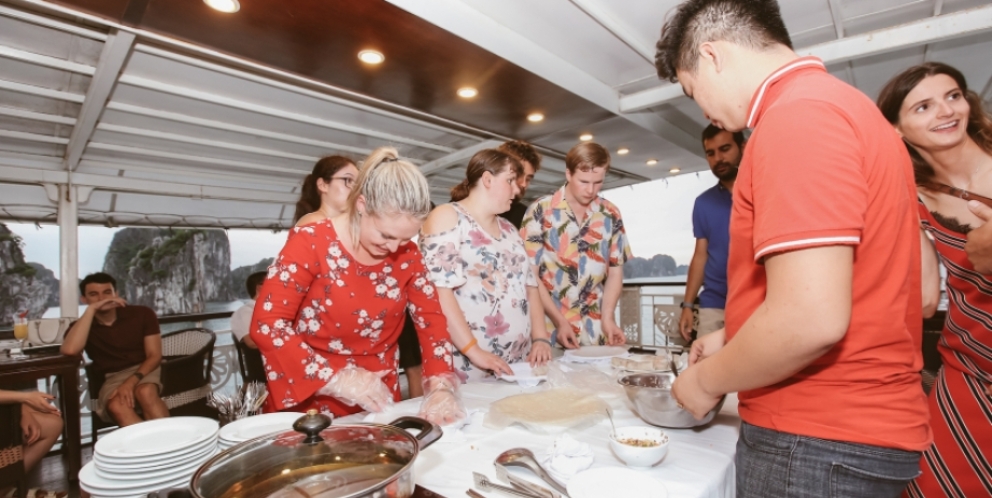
(959, 464)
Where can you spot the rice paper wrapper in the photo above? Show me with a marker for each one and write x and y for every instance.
(552, 411)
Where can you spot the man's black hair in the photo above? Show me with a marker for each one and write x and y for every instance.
(252, 282)
(756, 24)
(96, 278)
(712, 131)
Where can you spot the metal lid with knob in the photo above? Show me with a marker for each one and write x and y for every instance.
(312, 424)
(332, 461)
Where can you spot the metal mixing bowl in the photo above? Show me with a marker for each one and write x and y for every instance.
(651, 394)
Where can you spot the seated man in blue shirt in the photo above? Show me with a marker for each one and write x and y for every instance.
(711, 227)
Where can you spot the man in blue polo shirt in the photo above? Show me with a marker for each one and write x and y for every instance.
(711, 227)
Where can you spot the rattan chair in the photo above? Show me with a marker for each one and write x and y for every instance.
(187, 358)
(12, 472)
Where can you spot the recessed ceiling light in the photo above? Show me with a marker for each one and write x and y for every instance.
(228, 6)
(585, 137)
(623, 151)
(675, 169)
(535, 117)
(371, 57)
(652, 162)
(467, 92)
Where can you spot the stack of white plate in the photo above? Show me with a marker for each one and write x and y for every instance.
(242, 430)
(150, 456)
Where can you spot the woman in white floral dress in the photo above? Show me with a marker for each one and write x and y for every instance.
(478, 263)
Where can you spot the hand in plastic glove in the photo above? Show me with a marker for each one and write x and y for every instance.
(441, 404)
(357, 386)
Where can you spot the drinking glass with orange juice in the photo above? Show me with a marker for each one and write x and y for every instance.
(21, 327)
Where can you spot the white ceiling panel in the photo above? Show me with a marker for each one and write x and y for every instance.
(872, 73)
(180, 119)
(169, 72)
(48, 41)
(25, 203)
(555, 24)
(196, 108)
(31, 74)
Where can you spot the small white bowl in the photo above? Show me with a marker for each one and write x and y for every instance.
(639, 456)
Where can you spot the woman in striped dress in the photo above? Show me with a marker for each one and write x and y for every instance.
(949, 136)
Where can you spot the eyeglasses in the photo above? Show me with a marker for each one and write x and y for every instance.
(348, 181)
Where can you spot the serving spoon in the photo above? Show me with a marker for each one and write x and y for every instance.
(522, 457)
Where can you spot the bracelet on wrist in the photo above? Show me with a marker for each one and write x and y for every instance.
(688, 305)
(469, 346)
(541, 339)
(139, 375)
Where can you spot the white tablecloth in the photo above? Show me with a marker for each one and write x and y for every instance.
(700, 462)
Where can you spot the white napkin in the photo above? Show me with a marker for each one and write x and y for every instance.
(567, 457)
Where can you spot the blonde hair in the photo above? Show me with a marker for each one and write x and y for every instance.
(389, 185)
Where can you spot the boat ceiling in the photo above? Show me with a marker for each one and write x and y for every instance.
(168, 113)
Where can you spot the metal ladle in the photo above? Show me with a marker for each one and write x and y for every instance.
(522, 457)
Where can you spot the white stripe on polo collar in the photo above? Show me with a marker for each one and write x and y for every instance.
(798, 63)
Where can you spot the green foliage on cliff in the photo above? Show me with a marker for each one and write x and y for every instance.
(24, 270)
(172, 245)
(146, 256)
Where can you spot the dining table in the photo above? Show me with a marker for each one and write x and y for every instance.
(20, 369)
(699, 463)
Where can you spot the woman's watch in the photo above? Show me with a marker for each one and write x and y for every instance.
(139, 375)
(687, 304)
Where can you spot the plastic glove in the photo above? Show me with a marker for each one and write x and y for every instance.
(441, 405)
(357, 386)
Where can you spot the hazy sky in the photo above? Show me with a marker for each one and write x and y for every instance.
(658, 217)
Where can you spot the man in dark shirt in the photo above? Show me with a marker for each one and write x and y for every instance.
(125, 344)
(530, 159)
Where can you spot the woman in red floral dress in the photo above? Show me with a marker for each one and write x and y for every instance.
(331, 310)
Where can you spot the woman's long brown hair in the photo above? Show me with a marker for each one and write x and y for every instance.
(891, 98)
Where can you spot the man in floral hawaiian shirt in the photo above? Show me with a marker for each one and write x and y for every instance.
(577, 245)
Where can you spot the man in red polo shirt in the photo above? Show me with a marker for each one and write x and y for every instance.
(823, 318)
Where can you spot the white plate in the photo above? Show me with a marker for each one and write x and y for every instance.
(163, 459)
(157, 437)
(596, 352)
(615, 481)
(259, 425)
(93, 483)
(130, 473)
(523, 374)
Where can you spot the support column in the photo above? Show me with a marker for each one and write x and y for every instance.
(68, 218)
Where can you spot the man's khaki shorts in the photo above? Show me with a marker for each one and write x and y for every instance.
(710, 320)
(114, 380)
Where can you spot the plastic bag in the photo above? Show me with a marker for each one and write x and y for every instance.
(583, 376)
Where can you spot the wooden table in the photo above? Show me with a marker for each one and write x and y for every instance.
(66, 368)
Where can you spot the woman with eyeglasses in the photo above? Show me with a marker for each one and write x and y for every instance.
(325, 190)
(330, 311)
